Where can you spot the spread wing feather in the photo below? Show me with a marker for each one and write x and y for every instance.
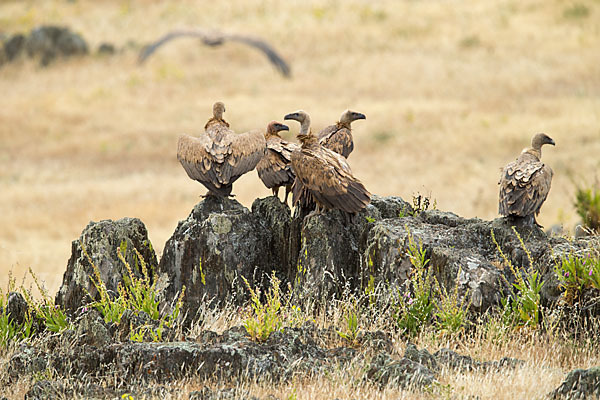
(215, 39)
(247, 149)
(194, 154)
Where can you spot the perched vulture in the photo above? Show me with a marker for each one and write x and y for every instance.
(325, 174)
(338, 137)
(525, 182)
(274, 170)
(219, 157)
(217, 39)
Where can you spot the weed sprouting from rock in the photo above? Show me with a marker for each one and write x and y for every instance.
(351, 326)
(264, 318)
(137, 294)
(415, 304)
(522, 306)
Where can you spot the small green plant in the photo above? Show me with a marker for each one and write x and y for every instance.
(587, 204)
(264, 318)
(521, 307)
(54, 317)
(135, 294)
(351, 326)
(415, 304)
(370, 220)
(576, 273)
(451, 312)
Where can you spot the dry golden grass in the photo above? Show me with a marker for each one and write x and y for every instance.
(452, 92)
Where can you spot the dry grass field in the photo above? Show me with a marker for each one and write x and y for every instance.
(452, 92)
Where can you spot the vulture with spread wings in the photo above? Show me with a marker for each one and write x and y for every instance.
(325, 174)
(219, 157)
(274, 170)
(525, 182)
(217, 39)
(338, 137)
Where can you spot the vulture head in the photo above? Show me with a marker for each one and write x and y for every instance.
(541, 139)
(349, 116)
(303, 118)
(218, 110)
(275, 127)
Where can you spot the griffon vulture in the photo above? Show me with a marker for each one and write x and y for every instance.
(219, 157)
(525, 182)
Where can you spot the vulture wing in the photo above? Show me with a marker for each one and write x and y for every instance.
(197, 156)
(274, 169)
(216, 39)
(338, 139)
(247, 149)
(524, 187)
(328, 178)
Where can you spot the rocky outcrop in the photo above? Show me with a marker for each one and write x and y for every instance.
(16, 307)
(322, 256)
(579, 384)
(419, 368)
(45, 43)
(329, 259)
(220, 243)
(101, 241)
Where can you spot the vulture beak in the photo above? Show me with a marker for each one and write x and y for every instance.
(358, 115)
(293, 116)
(282, 127)
(552, 142)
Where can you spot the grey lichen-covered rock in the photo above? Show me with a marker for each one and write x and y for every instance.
(102, 240)
(579, 384)
(392, 206)
(50, 42)
(14, 46)
(330, 254)
(453, 360)
(16, 307)
(421, 356)
(26, 360)
(92, 331)
(106, 49)
(220, 242)
(45, 389)
(402, 373)
(277, 218)
(461, 252)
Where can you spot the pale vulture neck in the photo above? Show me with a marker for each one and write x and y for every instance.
(537, 153)
(305, 125)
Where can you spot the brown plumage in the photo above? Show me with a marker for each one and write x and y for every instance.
(219, 157)
(338, 137)
(525, 182)
(274, 170)
(216, 39)
(325, 174)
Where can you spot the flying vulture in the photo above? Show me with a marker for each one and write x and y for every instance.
(324, 173)
(274, 170)
(525, 182)
(338, 137)
(217, 39)
(219, 157)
